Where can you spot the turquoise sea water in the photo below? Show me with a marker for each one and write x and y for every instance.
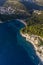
(14, 50)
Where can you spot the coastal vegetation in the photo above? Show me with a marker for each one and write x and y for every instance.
(34, 20)
(35, 29)
(34, 26)
(33, 32)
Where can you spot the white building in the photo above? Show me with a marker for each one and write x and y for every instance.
(37, 12)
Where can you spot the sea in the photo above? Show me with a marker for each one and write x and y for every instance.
(14, 49)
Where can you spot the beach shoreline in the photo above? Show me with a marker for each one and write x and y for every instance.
(29, 40)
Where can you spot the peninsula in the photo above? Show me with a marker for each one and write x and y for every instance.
(33, 32)
(33, 21)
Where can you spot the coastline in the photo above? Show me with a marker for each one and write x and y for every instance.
(29, 40)
(22, 21)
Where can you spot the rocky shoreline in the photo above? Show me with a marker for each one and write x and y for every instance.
(34, 40)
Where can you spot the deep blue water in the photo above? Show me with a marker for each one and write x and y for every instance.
(12, 49)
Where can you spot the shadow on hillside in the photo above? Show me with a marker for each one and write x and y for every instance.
(32, 6)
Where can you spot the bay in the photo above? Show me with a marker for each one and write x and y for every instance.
(14, 50)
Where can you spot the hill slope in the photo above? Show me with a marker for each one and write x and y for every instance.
(39, 2)
(14, 4)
